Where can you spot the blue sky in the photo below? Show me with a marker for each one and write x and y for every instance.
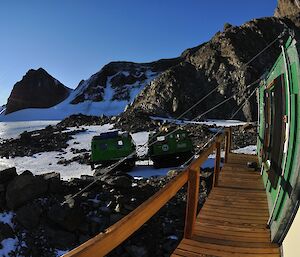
(72, 39)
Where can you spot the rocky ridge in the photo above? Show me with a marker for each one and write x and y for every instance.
(221, 63)
(123, 79)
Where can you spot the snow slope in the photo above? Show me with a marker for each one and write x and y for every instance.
(208, 122)
(14, 129)
(64, 109)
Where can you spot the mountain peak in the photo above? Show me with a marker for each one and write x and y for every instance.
(37, 89)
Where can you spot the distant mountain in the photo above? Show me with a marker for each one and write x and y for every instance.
(37, 89)
(119, 81)
(107, 92)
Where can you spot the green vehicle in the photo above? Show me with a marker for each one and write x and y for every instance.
(169, 149)
(110, 147)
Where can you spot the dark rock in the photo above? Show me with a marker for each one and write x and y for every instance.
(137, 251)
(60, 239)
(119, 181)
(55, 185)
(29, 216)
(37, 89)
(170, 245)
(66, 217)
(115, 218)
(7, 175)
(26, 172)
(6, 231)
(77, 120)
(23, 189)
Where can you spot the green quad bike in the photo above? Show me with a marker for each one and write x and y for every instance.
(168, 149)
(110, 147)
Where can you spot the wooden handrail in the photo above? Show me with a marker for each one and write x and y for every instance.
(103, 243)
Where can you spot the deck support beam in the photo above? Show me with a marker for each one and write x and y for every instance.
(192, 201)
(228, 142)
(217, 164)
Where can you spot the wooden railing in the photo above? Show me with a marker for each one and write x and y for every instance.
(103, 243)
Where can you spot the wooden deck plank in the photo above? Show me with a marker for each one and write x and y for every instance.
(233, 220)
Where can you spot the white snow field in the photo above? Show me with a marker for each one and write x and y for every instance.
(250, 149)
(14, 129)
(217, 123)
(64, 109)
(47, 161)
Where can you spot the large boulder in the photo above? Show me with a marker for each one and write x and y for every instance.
(23, 189)
(37, 89)
(6, 231)
(29, 216)
(7, 175)
(60, 239)
(118, 181)
(69, 218)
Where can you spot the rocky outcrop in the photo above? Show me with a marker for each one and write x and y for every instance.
(287, 8)
(51, 220)
(119, 80)
(37, 89)
(221, 63)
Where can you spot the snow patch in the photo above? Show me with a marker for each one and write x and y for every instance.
(14, 129)
(217, 123)
(59, 253)
(8, 245)
(250, 149)
(6, 217)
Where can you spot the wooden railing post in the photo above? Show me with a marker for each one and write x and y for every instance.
(217, 164)
(192, 202)
(228, 136)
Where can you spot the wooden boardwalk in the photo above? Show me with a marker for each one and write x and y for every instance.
(233, 220)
